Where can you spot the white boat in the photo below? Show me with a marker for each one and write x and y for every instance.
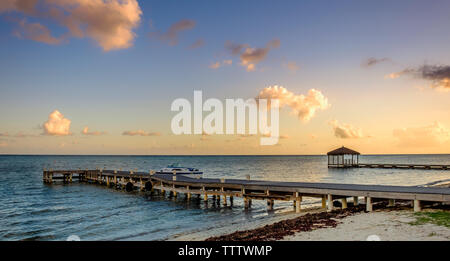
(174, 169)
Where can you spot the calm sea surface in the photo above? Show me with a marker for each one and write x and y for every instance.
(31, 210)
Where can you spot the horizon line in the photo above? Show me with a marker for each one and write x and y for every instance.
(206, 155)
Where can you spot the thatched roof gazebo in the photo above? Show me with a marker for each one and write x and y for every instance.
(343, 158)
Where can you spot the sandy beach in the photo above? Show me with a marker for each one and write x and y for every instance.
(399, 224)
(383, 225)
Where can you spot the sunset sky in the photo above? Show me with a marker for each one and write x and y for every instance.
(99, 76)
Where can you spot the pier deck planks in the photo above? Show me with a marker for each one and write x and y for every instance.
(253, 189)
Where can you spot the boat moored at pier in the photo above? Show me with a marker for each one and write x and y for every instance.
(178, 170)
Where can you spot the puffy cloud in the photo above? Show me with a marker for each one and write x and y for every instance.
(86, 131)
(374, 61)
(197, 44)
(251, 56)
(345, 131)
(425, 136)
(109, 22)
(36, 32)
(3, 144)
(438, 75)
(304, 106)
(57, 125)
(140, 133)
(171, 36)
(4, 134)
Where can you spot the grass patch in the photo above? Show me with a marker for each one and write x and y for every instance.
(440, 218)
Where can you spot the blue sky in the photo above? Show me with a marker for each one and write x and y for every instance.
(132, 88)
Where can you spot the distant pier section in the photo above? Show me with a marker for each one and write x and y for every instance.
(347, 158)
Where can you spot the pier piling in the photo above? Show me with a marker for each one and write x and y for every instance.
(330, 202)
(344, 203)
(355, 201)
(417, 206)
(391, 203)
(369, 207)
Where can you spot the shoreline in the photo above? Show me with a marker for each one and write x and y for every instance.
(354, 223)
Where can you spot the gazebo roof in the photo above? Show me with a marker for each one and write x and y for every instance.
(343, 151)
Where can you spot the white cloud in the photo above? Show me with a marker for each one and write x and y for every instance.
(217, 65)
(425, 136)
(346, 131)
(140, 133)
(250, 56)
(92, 133)
(57, 125)
(304, 106)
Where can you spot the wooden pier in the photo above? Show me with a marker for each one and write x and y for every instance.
(402, 166)
(252, 189)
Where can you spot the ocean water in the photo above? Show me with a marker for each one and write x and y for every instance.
(31, 210)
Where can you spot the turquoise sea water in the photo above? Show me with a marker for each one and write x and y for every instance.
(31, 210)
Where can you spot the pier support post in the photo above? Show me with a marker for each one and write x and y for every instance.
(246, 203)
(369, 207)
(107, 181)
(391, 203)
(355, 201)
(298, 203)
(344, 203)
(224, 200)
(188, 195)
(270, 204)
(324, 202)
(231, 200)
(205, 197)
(417, 206)
(217, 200)
(71, 177)
(330, 202)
